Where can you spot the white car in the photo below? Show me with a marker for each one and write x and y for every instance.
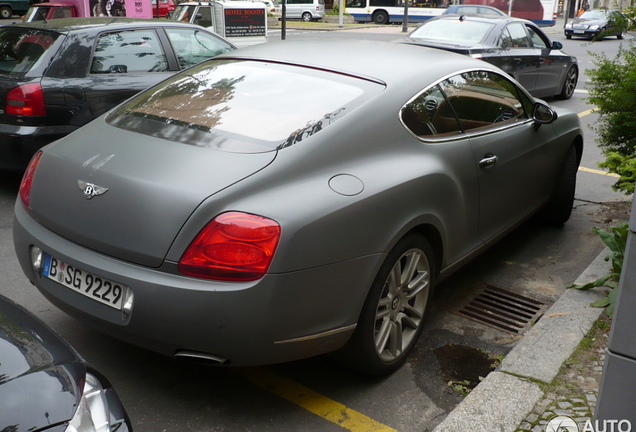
(273, 7)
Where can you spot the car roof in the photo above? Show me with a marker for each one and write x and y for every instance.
(468, 5)
(480, 18)
(77, 24)
(386, 62)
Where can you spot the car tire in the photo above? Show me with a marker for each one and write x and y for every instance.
(569, 83)
(394, 312)
(559, 208)
(567, 36)
(381, 17)
(306, 16)
(6, 12)
(621, 35)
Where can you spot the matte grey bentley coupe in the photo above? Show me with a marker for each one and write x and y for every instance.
(290, 199)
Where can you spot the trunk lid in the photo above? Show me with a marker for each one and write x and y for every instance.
(151, 186)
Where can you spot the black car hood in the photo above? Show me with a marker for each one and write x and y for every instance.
(589, 22)
(41, 376)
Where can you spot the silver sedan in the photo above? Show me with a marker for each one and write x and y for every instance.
(291, 199)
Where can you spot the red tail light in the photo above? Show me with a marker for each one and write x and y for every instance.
(26, 100)
(233, 246)
(27, 178)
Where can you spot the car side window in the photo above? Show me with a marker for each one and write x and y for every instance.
(128, 51)
(518, 35)
(206, 17)
(430, 115)
(193, 46)
(505, 40)
(537, 39)
(483, 99)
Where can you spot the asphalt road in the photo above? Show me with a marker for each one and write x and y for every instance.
(162, 394)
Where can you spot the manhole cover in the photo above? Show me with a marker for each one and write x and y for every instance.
(503, 310)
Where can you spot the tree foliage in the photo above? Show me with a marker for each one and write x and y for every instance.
(612, 90)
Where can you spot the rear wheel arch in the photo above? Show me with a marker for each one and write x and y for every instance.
(434, 237)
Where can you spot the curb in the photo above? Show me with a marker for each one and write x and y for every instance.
(506, 396)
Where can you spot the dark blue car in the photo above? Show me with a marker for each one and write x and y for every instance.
(46, 385)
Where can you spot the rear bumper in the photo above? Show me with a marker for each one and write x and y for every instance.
(281, 317)
(19, 143)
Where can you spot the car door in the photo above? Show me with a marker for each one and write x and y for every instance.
(519, 54)
(515, 162)
(552, 63)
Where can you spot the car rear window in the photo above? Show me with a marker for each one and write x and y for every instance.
(453, 31)
(243, 106)
(22, 49)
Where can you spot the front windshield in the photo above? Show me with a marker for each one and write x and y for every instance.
(36, 13)
(594, 14)
(243, 106)
(453, 31)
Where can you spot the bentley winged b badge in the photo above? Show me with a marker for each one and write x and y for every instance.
(90, 189)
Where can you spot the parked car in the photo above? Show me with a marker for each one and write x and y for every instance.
(273, 7)
(48, 11)
(515, 45)
(166, 7)
(474, 10)
(8, 8)
(45, 382)
(290, 199)
(307, 10)
(597, 24)
(61, 74)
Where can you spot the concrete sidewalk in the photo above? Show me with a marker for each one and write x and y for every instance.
(503, 400)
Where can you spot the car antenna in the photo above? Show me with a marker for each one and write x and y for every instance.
(41, 13)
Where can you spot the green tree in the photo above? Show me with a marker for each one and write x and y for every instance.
(612, 90)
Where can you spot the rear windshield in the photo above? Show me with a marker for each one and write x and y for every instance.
(243, 106)
(453, 31)
(22, 49)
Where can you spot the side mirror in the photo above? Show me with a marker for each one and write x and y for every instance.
(543, 114)
(557, 45)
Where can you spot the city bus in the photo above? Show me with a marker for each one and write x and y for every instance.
(541, 12)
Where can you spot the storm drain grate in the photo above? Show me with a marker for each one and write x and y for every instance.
(503, 310)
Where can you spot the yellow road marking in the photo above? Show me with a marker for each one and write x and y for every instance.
(590, 170)
(595, 171)
(584, 113)
(313, 402)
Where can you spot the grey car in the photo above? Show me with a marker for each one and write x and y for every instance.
(291, 199)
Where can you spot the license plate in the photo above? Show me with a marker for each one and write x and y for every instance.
(97, 288)
(579, 31)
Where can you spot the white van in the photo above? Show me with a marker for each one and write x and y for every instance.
(307, 10)
(241, 22)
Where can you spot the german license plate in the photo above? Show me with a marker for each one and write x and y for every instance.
(97, 288)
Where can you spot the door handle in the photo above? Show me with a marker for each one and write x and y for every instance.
(488, 161)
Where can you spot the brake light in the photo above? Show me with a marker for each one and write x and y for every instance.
(234, 246)
(27, 178)
(26, 100)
